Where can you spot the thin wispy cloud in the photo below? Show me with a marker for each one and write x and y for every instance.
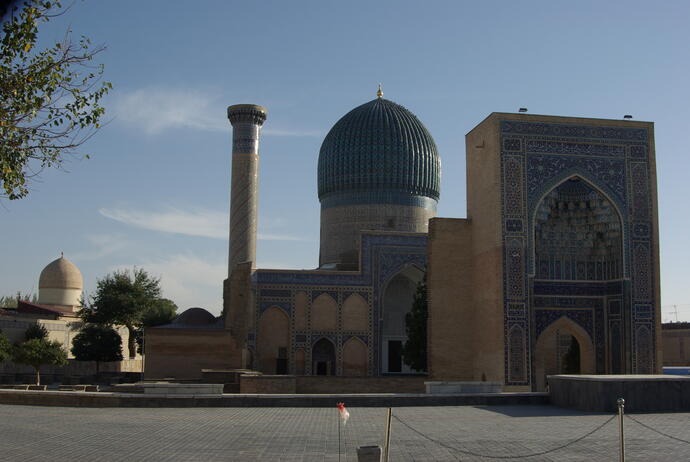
(156, 109)
(197, 222)
(204, 223)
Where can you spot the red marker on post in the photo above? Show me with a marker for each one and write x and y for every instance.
(344, 415)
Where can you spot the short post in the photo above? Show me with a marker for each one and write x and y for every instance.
(386, 447)
(621, 406)
(143, 353)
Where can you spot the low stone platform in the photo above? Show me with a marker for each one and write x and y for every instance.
(177, 389)
(436, 388)
(105, 399)
(642, 393)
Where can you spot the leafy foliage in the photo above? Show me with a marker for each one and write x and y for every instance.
(36, 331)
(49, 99)
(414, 350)
(162, 312)
(10, 301)
(39, 352)
(97, 343)
(5, 348)
(125, 298)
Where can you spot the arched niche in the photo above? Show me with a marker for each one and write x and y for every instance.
(517, 371)
(301, 303)
(355, 358)
(355, 313)
(323, 357)
(555, 351)
(397, 302)
(324, 312)
(578, 234)
(273, 341)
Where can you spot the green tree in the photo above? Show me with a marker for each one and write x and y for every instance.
(39, 352)
(163, 311)
(36, 330)
(122, 298)
(97, 343)
(414, 350)
(5, 348)
(49, 98)
(10, 301)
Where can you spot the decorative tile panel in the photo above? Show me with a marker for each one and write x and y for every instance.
(613, 160)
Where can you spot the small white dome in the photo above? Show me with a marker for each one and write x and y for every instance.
(61, 274)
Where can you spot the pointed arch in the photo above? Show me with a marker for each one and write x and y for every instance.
(583, 175)
(355, 358)
(323, 357)
(589, 220)
(273, 340)
(398, 297)
(546, 350)
(355, 313)
(324, 311)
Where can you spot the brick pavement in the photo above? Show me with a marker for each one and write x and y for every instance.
(30, 433)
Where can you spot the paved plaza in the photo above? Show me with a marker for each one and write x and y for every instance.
(467, 433)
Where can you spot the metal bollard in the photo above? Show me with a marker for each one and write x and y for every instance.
(621, 406)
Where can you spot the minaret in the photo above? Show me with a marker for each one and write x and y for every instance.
(246, 120)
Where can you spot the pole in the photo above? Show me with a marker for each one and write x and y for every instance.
(339, 419)
(143, 353)
(621, 406)
(386, 448)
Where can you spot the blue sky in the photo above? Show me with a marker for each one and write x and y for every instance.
(155, 193)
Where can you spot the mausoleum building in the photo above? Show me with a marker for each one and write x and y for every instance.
(555, 269)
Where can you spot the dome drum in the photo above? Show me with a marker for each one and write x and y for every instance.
(341, 228)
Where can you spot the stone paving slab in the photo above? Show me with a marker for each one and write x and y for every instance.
(467, 433)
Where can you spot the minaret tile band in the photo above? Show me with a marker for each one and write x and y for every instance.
(246, 120)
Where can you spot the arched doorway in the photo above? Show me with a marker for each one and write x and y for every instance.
(273, 341)
(323, 358)
(397, 302)
(563, 348)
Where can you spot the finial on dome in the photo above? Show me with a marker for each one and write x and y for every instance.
(379, 92)
(62, 254)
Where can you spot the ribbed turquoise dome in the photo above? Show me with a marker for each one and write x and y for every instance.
(379, 152)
